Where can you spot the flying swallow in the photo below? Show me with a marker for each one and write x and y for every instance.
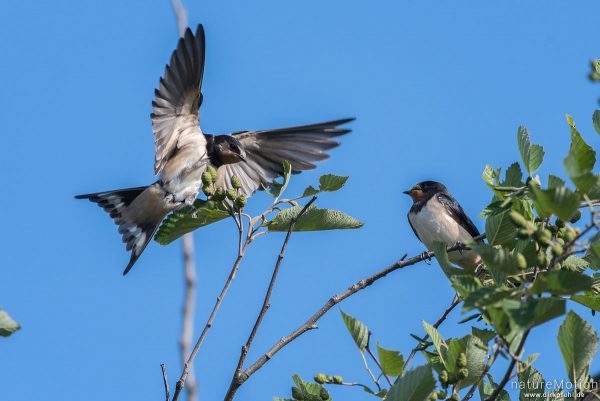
(436, 216)
(183, 152)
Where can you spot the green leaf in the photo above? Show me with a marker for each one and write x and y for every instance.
(358, 330)
(561, 282)
(578, 343)
(485, 297)
(436, 339)
(439, 249)
(486, 389)
(314, 219)
(533, 312)
(415, 385)
(580, 161)
(499, 229)
(592, 301)
(484, 335)
(465, 284)
(500, 259)
(476, 351)
(309, 390)
(596, 120)
(181, 221)
(531, 385)
(327, 183)
(575, 263)
(560, 201)
(513, 176)
(275, 189)
(392, 362)
(7, 324)
(554, 182)
(532, 155)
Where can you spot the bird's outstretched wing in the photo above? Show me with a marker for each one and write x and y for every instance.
(175, 109)
(458, 214)
(267, 150)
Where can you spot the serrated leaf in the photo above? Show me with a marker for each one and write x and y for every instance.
(580, 162)
(532, 155)
(436, 339)
(578, 343)
(575, 263)
(554, 182)
(484, 335)
(485, 297)
(499, 229)
(465, 284)
(415, 385)
(276, 189)
(327, 183)
(500, 259)
(533, 312)
(439, 249)
(181, 221)
(596, 120)
(309, 390)
(532, 385)
(7, 324)
(486, 389)
(313, 219)
(358, 330)
(560, 201)
(561, 282)
(513, 176)
(392, 362)
(592, 301)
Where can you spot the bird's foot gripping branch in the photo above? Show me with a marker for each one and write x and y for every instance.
(540, 259)
(283, 215)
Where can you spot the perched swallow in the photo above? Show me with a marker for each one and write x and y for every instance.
(183, 152)
(436, 216)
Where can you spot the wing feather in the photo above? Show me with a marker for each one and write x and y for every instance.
(458, 214)
(175, 109)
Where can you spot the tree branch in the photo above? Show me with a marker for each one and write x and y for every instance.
(235, 383)
(310, 324)
(165, 381)
(189, 307)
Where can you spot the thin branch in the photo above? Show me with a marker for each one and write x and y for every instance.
(266, 303)
(189, 310)
(455, 301)
(188, 364)
(368, 349)
(310, 324)
(362, 354)
(181, 15)
(509, 370)
(165, 381)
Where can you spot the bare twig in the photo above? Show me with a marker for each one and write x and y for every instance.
(165, 381)
(368, 349)
(310, 324)
(266, 303)
(189, 307)
(188, 364)
(375, 380)
(510, 368)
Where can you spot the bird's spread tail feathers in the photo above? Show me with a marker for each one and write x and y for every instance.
(137, 211)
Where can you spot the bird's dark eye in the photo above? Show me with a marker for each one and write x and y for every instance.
(232, 146)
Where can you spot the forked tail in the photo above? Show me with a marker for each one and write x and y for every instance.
(137, 211)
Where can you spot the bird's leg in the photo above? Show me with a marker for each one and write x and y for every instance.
(459, 245)
(189, 201)
(426, 257)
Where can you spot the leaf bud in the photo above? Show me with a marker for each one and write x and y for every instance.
(463, 373)
(559, 223)
(208, 190)
(461, 362)
(443, 376)
(206, 178)
(297, 394)
(231, 194)
(441, 395)
(576, 216)
(321, 378)
(455, 397)
(236, 182)
(213, 173)
(433, 396)
(569, 235)
(557, 250)
(522, 233)
(324, 394)
(337, 379)
(239, 202)
(219, 195)
(541, 260)
(518, 219)
(560, 241)
(521, 263)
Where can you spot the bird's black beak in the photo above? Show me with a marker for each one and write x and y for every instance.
(407, 192)
(243, 158)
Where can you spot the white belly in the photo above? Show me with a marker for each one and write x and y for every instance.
(433, 223)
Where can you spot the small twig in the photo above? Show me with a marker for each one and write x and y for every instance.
(165, 381)
(510, 368)
(188, 364)
(455, 301)
(310, 324)
(368, 348)
(362, 354)
(487, 368)
(266, 304)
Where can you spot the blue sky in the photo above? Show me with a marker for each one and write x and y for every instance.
(438, 89)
